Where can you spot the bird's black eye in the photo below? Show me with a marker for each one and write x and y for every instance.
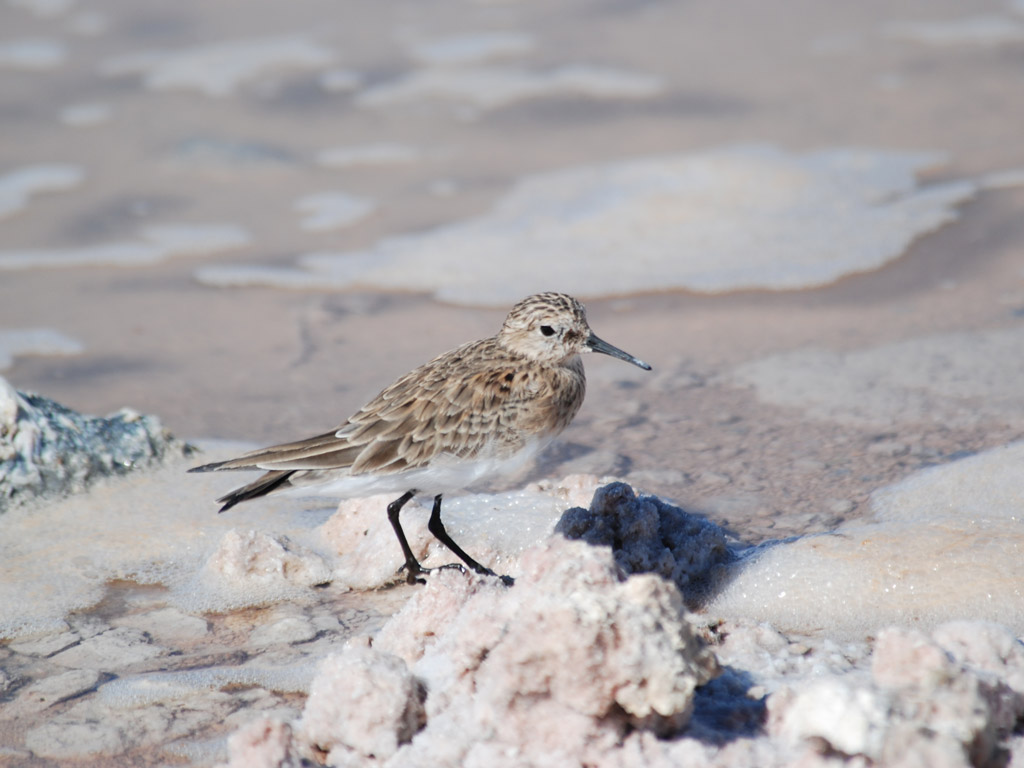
(547, 330)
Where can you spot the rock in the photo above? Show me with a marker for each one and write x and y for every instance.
(254, 559)
(362, 701)
(109, 726)
(560, 667)
(62, 739)
(369, 553)
(289, 630)
(52, 690)
(110, 650)
(905, 658)
(849, 718)
(566, 661)
(924, 704)
(984, 645)
(648, 535)
(263, 743)
(47, 449)
(45, 645)
(168, 625)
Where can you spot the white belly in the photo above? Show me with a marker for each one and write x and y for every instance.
(444, 475)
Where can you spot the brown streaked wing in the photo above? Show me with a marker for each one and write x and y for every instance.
(285, 451)
(456, 404)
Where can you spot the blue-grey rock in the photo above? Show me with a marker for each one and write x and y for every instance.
(49, 450)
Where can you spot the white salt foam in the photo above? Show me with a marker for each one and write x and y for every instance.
(220, 69)
(340, 80)
(83, 115)
(159, 242)
(987, 30)
(34, 341)
(946, 543)
(43, 9)
(490, 87)
(32, 54)
(18, 187)
(382, 153)
(156, 528)
(332, 210)
(721, 220)
(466, 49)
(162, 527)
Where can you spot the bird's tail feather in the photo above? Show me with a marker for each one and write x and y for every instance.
(271, 481)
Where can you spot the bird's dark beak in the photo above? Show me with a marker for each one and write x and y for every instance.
(602, 346)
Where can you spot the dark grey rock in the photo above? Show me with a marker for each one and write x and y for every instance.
(48, 450)
(649, 535)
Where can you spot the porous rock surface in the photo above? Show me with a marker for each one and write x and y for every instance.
(470, 672)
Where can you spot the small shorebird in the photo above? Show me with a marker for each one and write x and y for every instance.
(483, 408)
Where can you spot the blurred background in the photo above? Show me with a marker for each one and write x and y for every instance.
(247, 218)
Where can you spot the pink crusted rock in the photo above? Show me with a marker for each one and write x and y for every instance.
(430, 613)
(848, 717)
(363, 702)
(925, 705)
(567, 659)
(986, 646)
(257, 559)
(263, 743)
(904, 658)
(360, 533)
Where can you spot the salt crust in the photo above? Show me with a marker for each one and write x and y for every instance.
(85, 115)
(254, 561)
(959, 379)
(561, 668)
(943, 544)
(363, 701)
(219, 70)
(570, 660)
(563, 664)
(332, 210)
(18, 187)
(946, 700)
(808, 220)
(58, 559)
(263, 743)
(378, 154)
(471, 48)
(157, 243)
(43, 9)
(567, 663)
(987, 30)
(35, 54)
(34, 341)
(487, 87)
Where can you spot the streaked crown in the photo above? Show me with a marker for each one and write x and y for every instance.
(547, 327)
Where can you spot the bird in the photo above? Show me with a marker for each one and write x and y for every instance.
(481, 409)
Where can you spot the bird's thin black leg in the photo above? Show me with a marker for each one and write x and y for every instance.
(412, 565)
(436, 527)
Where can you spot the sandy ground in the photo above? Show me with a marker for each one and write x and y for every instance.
(264, 365)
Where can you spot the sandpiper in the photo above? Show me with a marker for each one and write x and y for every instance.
(483, 408)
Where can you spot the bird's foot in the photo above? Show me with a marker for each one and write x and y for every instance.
(508, 581)
(414, 571)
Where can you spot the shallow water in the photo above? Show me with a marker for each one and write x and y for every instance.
(807, 218)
